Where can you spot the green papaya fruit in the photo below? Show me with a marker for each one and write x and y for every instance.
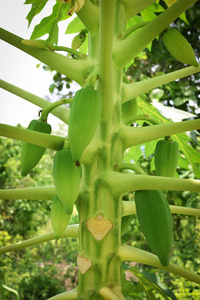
(66, 178)
(129, 108)
(179, 47)
(30, 153)
(59, 218)
(83, 120)
(156, 223)
(166, 157)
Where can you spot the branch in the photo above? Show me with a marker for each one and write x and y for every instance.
(121, 183)
(74, 69)
(71, 231)
(69, 295)
(132, 8)
(107, 19)
(138, 88)
(130, 209)
(89, 16)
(132, 136)
(128, 253)
(129, 48)
(31, 193)
(59, 112)
(34, 137)
(110, 294)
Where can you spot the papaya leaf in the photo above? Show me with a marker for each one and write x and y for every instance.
(37, 7)
(150, 280)
(133, 154)
(49, 25)
(74, 26)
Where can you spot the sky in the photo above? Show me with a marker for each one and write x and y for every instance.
(19, 68)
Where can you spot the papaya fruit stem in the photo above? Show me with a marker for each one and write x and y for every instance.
(134, 167)
(145, 117)
(125, 34)
(52, 106)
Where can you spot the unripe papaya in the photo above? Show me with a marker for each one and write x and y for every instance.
(156, 223)
(129, 108)
(83, 120)
(66, 178)
(78, 40)
(166, 158)
(59, 218)
(30, 153)
(179, 47)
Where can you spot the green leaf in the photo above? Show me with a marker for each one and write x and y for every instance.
(133, 154)
(150, 148)
(74, 26)
(49, 25)
(37, 6)
(151, 281)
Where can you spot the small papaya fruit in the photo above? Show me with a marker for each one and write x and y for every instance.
(30, 153)
(83, 120)
(156, 223)
(59, 218)
(179, 47)
(66, 178)
(78, 40)
(166, 157)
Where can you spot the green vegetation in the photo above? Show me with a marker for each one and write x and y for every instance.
(103, 254)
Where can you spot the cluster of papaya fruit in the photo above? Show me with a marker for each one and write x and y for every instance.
(152, 207)
(84, 117)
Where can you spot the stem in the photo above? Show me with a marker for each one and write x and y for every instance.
(33, 137)
(60, 112)
(75, 69)
(70, 231)
(52, 106)
(69, 295)
(127, 253)
(147, 118)
(135, 89)
(130, 209)
(11, 290)
(131, 30)
(121, 183)
(130, 166)
(69, 50)
(107, 18)
(32, 193)
(89, 15)
(132, 136)
(126, 50)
